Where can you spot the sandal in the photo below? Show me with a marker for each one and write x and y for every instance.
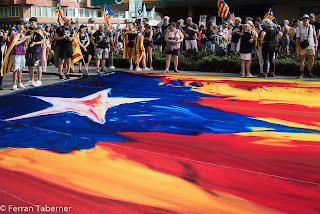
(166, 71)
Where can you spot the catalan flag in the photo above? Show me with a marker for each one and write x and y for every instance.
(7, 65)
(108, 15)
(138, 48)
(231, 19)
(59, 14)
(269, 15)
(77, 54)
(223, 9)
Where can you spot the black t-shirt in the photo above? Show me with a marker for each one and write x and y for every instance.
(164, 30)
(270, 43)
(246, 46)
(209, 33)
(203, 40)
(157, 38)
(68, 32)
(191, 33)
(316, 24)
(103, 39)
(83, 38)
(236, 37)
(35, 37)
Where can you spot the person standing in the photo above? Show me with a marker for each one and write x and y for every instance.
(101, 42)
(316, 24)
(164, 29)
(306, 39)
(84, 42)
(18, 55)
(268, 37)
(190, 34)
(209, 35)
(128, 44)
(148, 34)
(157, 39)
(174, 37)
(65, 35)
(293, 36)
(34, 51)
(246, 47)
(139, 53)
(236, 33)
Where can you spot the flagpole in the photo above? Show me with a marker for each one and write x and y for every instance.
(136, 8)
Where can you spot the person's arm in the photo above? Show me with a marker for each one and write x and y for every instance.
(78, 38)
(279, 35)
(22, 40)
(262, 37)
(37, 43)
(56, 37)
(150, 36)
(112, 43)
(94, 40)
(297, 40)
(88, 41)
(72, 37)
(181, 37)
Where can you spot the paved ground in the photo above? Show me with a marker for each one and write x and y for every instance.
(51, 77)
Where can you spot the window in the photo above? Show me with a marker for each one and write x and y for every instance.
(2, 14)
(81, 13)
(71, 12)
(44, 11)
(86, 13)
(100, 13)
(13, 12)
(120, 14)
(52, 12)
(36, 11)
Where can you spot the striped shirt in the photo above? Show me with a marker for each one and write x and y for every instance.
(18, 49)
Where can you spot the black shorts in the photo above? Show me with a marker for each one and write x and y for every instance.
(130, 44)
(65, 52)
(148, 44)
(33, 59)
(175, 52)
(85, 55)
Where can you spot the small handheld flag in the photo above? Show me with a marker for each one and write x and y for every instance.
(223, 9)
(108, 15)
(269, 15)
(144, 11)
(59, 14)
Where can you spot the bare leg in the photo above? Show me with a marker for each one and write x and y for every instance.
(175, 62)
(168, 62)
(20, 76)
(103, 63)
(98, 63)
(310, 63)
(60, 68)
(302, 59)
(68, 61)
(242, 67)
(14, 75)
(248, 64)
(144, 61)
(130, 50)
(30, 68)
(39, 73)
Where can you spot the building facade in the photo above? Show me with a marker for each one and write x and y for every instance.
(80, 11)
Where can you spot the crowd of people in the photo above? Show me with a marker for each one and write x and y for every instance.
(39, 46)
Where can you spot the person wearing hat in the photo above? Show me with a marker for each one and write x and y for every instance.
(64, 36)
(306, 39)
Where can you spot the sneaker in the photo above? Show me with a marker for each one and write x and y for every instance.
(37, 83)
(249, 75)
(30, 83)
(67, 76)
(98, 70)
(80, 71)
(138, 69)
(310, 75)
(21, 86)
(131, 68)
(112, 67)
(61, 77)
(146, 69)
(262, 75)
(242, 75)
(15, 87)
(151, 68)
(44, 69)
(271, 75)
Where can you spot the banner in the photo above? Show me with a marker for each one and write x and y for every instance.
(151, 14)
(132, 6)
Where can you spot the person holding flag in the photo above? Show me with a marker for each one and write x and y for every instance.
(34, 51)
(65, 36)
(128, 44)
(18, 54)
(139, 50)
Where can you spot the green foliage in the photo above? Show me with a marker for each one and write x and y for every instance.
(221, 62)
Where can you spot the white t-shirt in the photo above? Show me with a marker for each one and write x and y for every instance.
(304, 34)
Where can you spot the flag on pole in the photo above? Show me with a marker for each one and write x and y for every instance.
(77, 54)
(269, 15)
(151, 14)
(231, 19)
(59, 14)
(223, 9)
(108, 15)
(144, 12)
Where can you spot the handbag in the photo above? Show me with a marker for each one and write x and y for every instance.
(169, 47)
(304, 44)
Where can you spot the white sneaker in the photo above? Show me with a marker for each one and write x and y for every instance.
(146, 69)
(21, 86)
(131, 68)
(138, 69)
(15, 87)
(112, 67)
(249, 75)
(37, 83)
(44, 69)
(30, 83)
(151, 68)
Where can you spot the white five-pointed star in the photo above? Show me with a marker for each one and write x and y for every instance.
(94, 106)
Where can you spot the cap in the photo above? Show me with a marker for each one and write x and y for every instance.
(224, 23)
(73, 23)
(311, 15)
(83, 26)
(101, 25)
(305, 16)
(65, 19)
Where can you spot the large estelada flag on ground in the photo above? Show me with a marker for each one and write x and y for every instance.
(269, 15)
(223, 9)
(77, 54)
(59, 14)
(108, 15)
(7, 65)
